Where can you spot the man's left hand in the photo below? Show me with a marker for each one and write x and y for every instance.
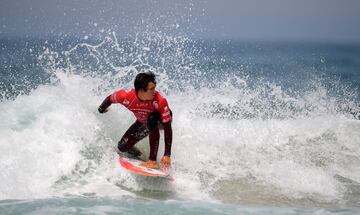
(102, 110)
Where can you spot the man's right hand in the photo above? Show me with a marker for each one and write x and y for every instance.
(102, 110)
(165, 162)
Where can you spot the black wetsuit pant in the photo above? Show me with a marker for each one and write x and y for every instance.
(139, 131)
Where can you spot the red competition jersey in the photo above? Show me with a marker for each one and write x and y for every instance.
(142, 109)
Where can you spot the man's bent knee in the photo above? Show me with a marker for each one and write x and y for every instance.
(122, 145)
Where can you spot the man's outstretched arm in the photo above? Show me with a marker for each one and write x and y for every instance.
(104, 105)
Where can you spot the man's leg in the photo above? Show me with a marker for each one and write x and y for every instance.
(134, 134)
(154, 138)
(153, 127)
(154, 145)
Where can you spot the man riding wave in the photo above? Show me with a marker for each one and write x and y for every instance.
(151, 111)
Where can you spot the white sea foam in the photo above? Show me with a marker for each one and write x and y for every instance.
(54, 141)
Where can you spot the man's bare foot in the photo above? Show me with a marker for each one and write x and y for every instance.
(150, 164)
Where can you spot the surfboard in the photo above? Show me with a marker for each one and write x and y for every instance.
(133, 165)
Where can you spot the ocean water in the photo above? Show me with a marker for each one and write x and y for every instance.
(259, 128)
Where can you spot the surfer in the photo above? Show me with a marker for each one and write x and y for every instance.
(151, 111)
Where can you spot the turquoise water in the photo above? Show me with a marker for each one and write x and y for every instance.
(130, 206)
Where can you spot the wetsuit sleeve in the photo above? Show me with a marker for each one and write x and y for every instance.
(168, 138)
(105, 104)
(165, 118)
(117, 97)
(165, 112)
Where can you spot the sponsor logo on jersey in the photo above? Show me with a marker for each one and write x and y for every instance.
(166, 113)
(126, 102)
(155, 104)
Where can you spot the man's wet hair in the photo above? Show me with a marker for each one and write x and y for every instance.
(142, 79)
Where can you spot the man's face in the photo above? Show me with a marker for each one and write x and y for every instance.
(150, 93)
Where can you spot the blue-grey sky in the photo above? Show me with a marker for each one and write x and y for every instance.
(314, 20)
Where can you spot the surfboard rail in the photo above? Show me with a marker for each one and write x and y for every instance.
(132, 165)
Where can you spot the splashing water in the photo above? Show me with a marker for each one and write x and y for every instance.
(249, 140)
